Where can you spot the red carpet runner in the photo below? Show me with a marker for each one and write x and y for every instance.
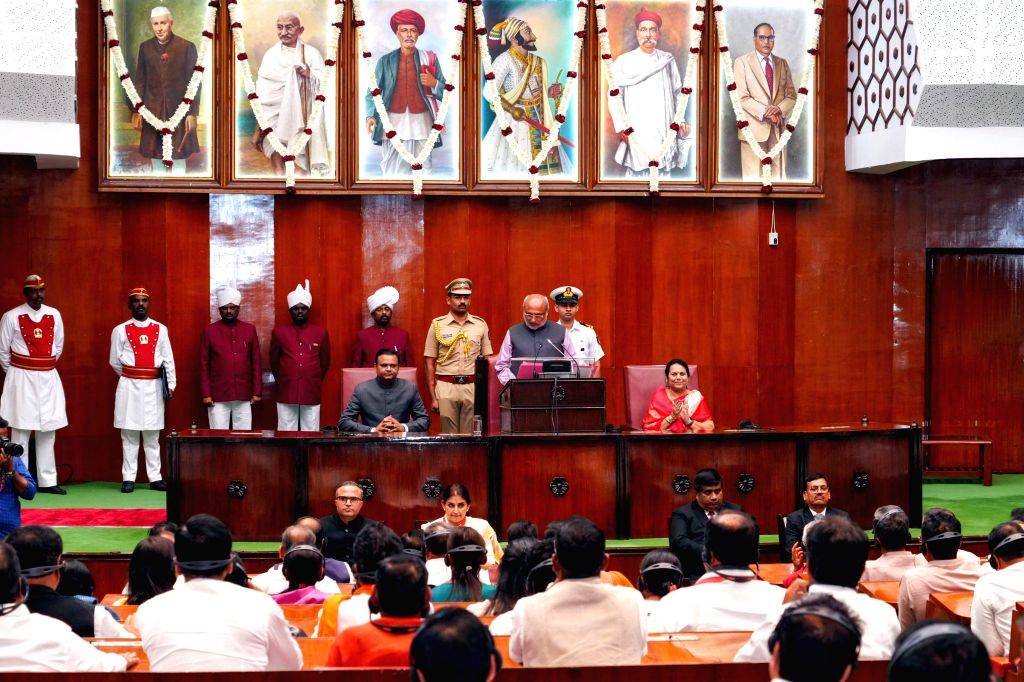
(92, 517)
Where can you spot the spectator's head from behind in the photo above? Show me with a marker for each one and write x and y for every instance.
(451, 645)
(707, 485)
(522, 529)
(348, 500)
(817, 639)
(374, 543)
(76, 579)
(150, 569)
(413, 543)
(579, 550)
(660, 573)
(202, 548)
(466, 554)
(940, 534)
(816, 493)
(541, 571)
(435, 539)
(1005, 544)
(303, 566)
(512, 574)
(313, 524)
(1017, 514)
(12, 585)
(836, 552)
(891, 528)
(401, 590)
(732, 538)
(39, 550)
(164, 528)
(939, 650)
(295, 535)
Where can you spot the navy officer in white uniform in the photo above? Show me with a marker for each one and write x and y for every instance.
(586, 347)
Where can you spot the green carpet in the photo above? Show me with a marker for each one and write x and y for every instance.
(979, 509)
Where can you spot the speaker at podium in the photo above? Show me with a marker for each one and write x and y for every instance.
(552, 395)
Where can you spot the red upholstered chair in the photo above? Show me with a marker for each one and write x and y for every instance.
(641, 382)
(353, 376)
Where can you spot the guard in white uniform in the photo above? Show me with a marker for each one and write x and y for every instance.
(31, 342)
(138, 349)
(583, 337)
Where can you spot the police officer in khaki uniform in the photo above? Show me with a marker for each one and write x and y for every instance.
(454, 341)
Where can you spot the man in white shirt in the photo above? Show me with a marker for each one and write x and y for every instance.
(208, 624)
(273, 581)
(728, 596)
(836, 552)
(891, 527)
(32, 642)
(947, 569)
(585, 346)
(579, 621)
(816, 640)
(996, 594)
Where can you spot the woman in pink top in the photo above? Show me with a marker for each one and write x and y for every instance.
(304, 568)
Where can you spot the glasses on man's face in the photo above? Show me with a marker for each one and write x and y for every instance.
(535, 316)
(766, 39)
(348, 500)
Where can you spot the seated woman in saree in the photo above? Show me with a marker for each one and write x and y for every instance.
(674, 408)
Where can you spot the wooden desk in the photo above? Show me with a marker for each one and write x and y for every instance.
(314, 651)
(954, 606)
(302, 616)
(775, 574)
(884, 590)
(677, 648)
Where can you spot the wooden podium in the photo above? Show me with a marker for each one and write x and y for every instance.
(553, 406)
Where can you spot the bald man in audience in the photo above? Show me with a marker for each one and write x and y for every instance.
(996, 594)
(836, 551)
(274, 581)
(728, 596)
(892, 532)
(945, 569)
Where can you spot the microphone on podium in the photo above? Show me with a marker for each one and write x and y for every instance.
(565, 355)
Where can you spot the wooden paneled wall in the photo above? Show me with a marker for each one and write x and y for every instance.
(827, 326)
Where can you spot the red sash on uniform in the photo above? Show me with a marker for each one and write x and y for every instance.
(143, 341)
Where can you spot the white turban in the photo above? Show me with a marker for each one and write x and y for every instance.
(159, 12)
(227, 296)
(384, 296)
(300, 295)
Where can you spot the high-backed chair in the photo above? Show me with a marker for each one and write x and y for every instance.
(353, 376)
(641, 382)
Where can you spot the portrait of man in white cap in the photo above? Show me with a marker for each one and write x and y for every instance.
(381, 334)
(230, 374)
(300, 355)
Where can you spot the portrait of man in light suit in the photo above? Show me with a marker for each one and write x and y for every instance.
(764, 84)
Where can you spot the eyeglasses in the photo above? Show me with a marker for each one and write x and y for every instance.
(766, 39)
(535, 316)
(351, 500)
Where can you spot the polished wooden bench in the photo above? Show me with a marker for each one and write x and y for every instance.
(776, 574)
(314, 651)
(303, 616)
(884, 590)
(983, 470)
(954, 606)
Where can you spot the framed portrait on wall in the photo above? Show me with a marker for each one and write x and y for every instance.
(410, 43)
(163, 49)
(768, 54)
(286, 45)
(530, 43)
(641, 90)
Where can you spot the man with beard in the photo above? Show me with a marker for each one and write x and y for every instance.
(381, 334)
(648, 83)
(163, 70)
(411, 84)
(536, 337)
(524, 88)
(300, 355)
(230, 376)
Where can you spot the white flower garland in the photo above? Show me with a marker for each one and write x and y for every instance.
(801, 99)
(165, 128)
(682, 97)
(298, 143)
(491, 94)
(390, 133)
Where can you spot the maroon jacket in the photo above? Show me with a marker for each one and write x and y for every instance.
(373, 338)
(229, 362)
(299, 359)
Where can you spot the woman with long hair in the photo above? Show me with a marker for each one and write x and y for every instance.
(151, 569)
(466, 554)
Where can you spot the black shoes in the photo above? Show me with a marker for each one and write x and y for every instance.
(53, 490)
(158, 485)
(128, 486)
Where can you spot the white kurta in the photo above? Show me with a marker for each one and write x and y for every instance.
(648, 87)
(32, 400)
(139, 403)
(277, 85)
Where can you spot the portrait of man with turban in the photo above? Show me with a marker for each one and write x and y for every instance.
(411, 84)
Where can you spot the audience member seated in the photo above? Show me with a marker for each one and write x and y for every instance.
(836, 552)
(512, 586)
(946, 568)
(522, 529)
(891, 528)
(660, 574)
(728, 596)
(674, 408)
(165, 529)
(39, 551)
(799, 558)
(32, 642)
(816, 498)
(435, 546)
(935, 651)
(542, 570)
(208, 624)
(374, 543)
(607, 577)
(688, 524)
(338, 571)
(412, 543)
(451, 645)
(150, 570)
(304, 571)
(455, 503)
(996, 594)
(402, 599)
(274, 580)
(817, 639)
(385, 405)
(579, 621)
(76, 581)
(341, 527)
(466, 554)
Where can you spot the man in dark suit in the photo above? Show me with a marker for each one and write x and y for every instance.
(386, 405)
(688, 524)
(816, 498)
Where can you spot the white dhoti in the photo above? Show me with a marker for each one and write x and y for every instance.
(232, 414)
(414, 129)
(298, 417)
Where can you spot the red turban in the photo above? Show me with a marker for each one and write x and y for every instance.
(409, 17)
(645, 15)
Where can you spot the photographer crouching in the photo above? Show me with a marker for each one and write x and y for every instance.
(16, 484)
